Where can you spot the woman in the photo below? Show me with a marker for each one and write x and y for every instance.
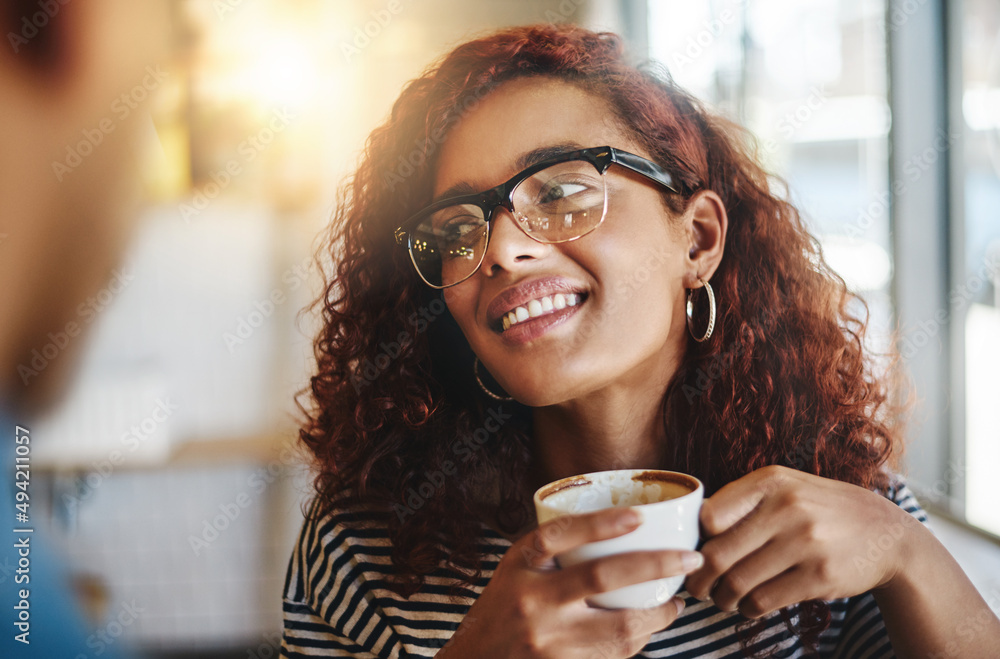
(552, 263)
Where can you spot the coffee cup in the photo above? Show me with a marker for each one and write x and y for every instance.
(669, 502)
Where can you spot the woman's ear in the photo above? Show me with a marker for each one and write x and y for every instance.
(706, 225)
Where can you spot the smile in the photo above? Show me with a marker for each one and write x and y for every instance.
(539, 307)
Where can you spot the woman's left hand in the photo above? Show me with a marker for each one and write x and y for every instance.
(779, 536)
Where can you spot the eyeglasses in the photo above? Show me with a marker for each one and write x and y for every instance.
(556, 200)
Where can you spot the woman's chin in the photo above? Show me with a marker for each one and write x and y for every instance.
(541, 394)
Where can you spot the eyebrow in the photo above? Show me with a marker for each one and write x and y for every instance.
(522, 162)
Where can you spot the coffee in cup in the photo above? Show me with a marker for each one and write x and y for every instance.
(670, 503)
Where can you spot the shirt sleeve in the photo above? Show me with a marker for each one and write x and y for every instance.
(864, 635)
(328, 610)
(308, 635)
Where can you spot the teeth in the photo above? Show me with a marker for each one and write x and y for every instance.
(539, 307)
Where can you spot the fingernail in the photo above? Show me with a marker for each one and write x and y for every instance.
(629, 519)
(680, 604)
(692, 560)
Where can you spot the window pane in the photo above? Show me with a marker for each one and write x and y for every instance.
(977, 295)
(809, 79)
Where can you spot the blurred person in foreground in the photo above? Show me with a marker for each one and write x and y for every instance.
(552, 263)
(67, 169)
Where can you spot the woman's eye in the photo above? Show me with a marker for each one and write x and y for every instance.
(458, 229)
(558, 191)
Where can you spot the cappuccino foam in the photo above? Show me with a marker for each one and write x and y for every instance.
(606, 492)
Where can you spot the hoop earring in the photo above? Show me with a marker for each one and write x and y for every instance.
(475, 371)
(711, 312)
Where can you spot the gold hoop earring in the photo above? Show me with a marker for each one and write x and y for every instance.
(711, 312)
(475, 372)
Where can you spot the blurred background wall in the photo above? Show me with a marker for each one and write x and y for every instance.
(171, 473)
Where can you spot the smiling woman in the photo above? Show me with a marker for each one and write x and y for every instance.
(622, 290)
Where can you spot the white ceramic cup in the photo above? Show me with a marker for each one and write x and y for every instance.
(669, 501)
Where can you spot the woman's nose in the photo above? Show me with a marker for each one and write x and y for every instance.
(510, 248)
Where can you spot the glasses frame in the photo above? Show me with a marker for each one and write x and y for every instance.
(601, 157)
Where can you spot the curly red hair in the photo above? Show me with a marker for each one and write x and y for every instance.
(784, 379)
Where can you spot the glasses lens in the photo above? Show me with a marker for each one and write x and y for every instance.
(561, 202)
(448, 245)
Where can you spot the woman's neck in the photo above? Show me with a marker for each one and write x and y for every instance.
(619, 425)
(612, 429)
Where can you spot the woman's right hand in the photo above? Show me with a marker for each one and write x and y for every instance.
(532, 609)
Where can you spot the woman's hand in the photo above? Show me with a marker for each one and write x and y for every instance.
(778, 536)
(531, 609)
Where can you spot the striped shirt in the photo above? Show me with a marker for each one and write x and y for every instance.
(337, 603)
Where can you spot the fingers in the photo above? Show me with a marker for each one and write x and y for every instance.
(746, 575)
(741, 497)
(539, 547)
(783, 551)
(723, 551)
(625, 632)
(612, 572)
(783, 590)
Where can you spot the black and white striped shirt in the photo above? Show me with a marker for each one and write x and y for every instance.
(337, 603)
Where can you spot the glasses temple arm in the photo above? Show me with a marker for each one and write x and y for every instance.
(647, 168)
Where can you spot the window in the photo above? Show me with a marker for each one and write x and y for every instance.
(978, 291)
(809, 79)
(884, 118)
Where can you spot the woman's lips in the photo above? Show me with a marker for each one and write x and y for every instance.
(539, 307)
(530, 294)
(534, 327)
